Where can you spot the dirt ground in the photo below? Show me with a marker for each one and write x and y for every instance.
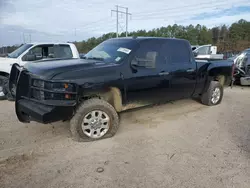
(180, 144)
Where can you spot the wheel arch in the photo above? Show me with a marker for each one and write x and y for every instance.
(220, 74)
(110, 94)
(5, 74)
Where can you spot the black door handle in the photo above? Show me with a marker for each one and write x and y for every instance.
(163, 73)
(190, 70)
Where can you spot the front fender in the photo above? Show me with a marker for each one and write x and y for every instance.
(112, 95)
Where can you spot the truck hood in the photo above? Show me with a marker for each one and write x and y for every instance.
(7, 60)
(49, 69)
(6, 63)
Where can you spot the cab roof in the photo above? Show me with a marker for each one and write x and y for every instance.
(40, 43)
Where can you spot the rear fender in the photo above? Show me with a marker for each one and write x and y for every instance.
(221, 74)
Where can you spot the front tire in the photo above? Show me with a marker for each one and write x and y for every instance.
(95, 119)
(213, 95)
(3, 84)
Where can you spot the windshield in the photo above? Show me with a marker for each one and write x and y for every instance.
(111, 51)
(19, 51)
(240, 59)
(247, 51)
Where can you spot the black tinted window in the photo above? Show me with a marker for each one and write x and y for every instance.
(62, 51)
(150, 50)
(175, 51)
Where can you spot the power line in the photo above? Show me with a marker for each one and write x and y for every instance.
(217, 3)
(95, 22)
(173, 14)
(105, 22)
(151, 16)
(100, 27)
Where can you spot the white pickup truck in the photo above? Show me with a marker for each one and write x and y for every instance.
(33, 52)
(206, 52)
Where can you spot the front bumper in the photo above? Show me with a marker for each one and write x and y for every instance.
(29, 108)
(245, 81)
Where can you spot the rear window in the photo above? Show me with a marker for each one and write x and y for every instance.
(176, 51)
(61, 51)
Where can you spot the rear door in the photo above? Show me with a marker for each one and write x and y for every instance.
(181, 67)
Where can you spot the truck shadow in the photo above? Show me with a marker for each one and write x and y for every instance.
(152, 115)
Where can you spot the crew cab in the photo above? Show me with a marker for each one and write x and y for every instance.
(33, 52)
(116, 75)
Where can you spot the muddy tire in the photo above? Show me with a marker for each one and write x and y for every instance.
(95, 119)
(213, 95)
(3, 84)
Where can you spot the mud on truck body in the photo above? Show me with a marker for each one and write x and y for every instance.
(116, 75)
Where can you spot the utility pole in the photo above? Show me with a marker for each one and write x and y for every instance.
(117, 21)
(126, 22)
(117, 11)
(75, 34)
(30, 37)
(23, 38)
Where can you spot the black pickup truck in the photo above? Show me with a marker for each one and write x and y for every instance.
(116, 75)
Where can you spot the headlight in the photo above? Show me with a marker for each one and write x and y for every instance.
(57, 86)
(38, 83)
(53, 90)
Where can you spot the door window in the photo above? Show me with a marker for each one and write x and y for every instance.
(62, 51)
(176, 52)
(204, 50)
(149, 51)
(47, 52)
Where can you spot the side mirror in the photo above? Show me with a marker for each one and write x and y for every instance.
(29, 57)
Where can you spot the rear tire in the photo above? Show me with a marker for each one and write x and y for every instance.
(213, 95)
(3, 85)
(95, 119)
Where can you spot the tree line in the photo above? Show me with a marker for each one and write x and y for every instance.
(233, 38)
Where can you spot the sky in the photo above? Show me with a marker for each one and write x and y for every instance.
(70, 20)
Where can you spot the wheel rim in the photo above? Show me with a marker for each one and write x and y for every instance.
(96, 124)
(216, 95)
(2, 94)
(1, 91)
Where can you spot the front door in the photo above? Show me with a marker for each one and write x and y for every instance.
(147, 85)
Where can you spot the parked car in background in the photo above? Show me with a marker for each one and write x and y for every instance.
(82, 55)
(33, 52)
(242, 68)
(207, 52)
(117, 75)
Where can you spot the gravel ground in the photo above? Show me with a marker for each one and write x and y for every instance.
(180, 144)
